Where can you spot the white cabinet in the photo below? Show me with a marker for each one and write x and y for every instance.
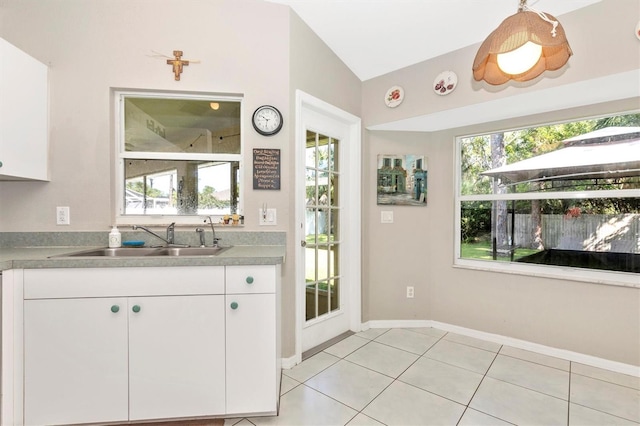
(24, 126)
(75, 361)
(132, 344)
(176, 357)
(253, 373)
(91, 358)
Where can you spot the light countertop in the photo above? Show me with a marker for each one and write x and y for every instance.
(40, 257)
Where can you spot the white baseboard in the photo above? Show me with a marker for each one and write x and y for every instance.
(288, 363)
(593, 361)
(398, 324)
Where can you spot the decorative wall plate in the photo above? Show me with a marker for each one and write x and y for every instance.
(638, 30)
(394, 96)
(445, 83)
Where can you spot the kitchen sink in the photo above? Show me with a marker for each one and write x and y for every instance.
(147, 252)
(190, 251)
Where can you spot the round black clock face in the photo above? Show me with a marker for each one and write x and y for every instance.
(267, 120)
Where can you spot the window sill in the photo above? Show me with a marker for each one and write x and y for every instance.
(590, 276)
(158, 220)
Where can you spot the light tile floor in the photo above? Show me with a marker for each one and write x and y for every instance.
(425, 376)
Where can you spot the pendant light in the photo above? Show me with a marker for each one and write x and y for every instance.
(524, 46)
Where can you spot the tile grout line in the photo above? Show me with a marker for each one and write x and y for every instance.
(478, 387)
(484, 376)
(571, 373)
(533, 362)
(397, 379)
(344, 359)
(394, 379)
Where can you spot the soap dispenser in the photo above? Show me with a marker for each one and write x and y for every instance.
(115, 239)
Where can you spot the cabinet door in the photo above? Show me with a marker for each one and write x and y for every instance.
(251, 353)
(23, 115)
(176, 356)
(75, 368)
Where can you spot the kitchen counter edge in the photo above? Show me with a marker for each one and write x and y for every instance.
(39, 258)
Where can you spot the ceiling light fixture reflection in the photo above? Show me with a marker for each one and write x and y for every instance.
(214, 106)
(521, 48)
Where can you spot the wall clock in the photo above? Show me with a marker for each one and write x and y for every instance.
(267, 120)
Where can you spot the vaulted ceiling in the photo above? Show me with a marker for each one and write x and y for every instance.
(375, 37)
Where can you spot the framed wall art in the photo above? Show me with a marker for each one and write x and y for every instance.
(402, 180)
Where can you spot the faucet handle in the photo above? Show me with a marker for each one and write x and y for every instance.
(200, 232)
(171, 233)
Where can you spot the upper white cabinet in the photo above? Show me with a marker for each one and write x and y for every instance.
(24, 126)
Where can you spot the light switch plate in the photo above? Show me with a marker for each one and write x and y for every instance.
(386, 217)
(267, 217)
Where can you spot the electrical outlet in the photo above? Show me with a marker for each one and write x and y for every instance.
(62, 216)
(409, 292)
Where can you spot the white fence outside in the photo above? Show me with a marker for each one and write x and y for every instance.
(616, 233)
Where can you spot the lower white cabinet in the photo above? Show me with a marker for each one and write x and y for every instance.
(140, 350)
(252, 344)
(176, 357)
(75, 354)
(104, 359)
(251, 353)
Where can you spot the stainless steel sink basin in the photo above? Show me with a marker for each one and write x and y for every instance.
(190, 251)
(146, 252)
(113, 252)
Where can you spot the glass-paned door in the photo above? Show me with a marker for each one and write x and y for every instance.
(322, 226)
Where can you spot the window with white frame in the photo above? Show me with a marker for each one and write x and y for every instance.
(564, 195)
(179, 155)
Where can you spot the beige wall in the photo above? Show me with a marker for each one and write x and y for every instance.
(418, 249)
(94, 46)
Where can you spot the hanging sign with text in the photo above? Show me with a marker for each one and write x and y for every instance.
(266, 168)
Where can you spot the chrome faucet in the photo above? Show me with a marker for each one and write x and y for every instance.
(213, 230)
(200, 232)
(170, 235)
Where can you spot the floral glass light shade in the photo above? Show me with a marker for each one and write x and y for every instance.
(524, 46)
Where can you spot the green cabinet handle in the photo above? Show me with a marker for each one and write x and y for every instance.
(249, 280)
(234, 305)
(136, 308)
(115, 308)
